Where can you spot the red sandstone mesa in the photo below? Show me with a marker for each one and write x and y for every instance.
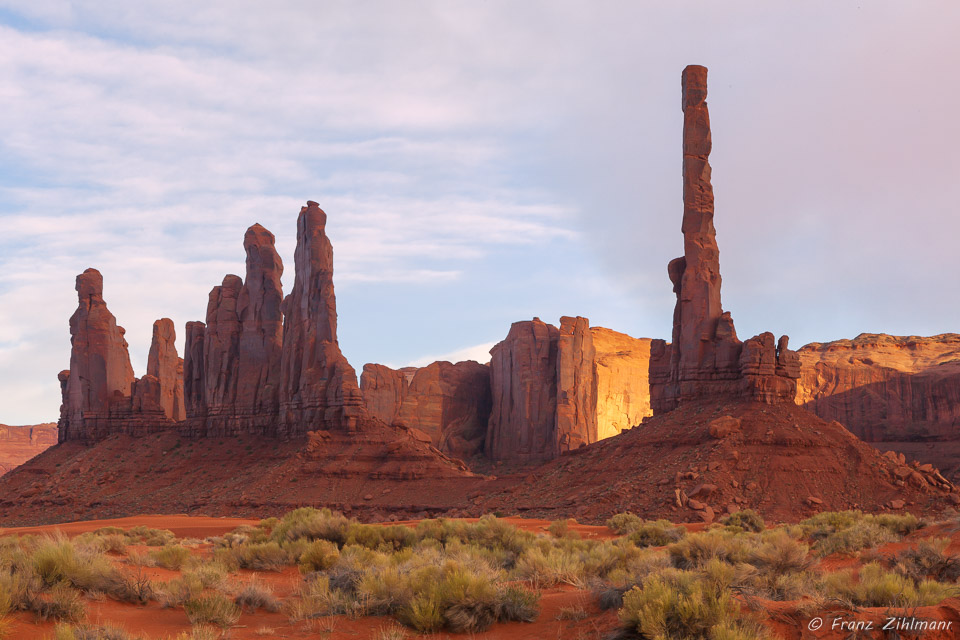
(706, 359)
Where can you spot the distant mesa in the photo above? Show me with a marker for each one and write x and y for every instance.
(20, 443)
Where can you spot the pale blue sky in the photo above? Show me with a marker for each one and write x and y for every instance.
(480, 163)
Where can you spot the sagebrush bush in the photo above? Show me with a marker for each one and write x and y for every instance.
(696, 550)
(624, 523)
(318, 555)
(213, 609)
(171, 557)
(656, 533)
(851, 531)
(874, 586)
(747, 520)
(677, 604)
(263, 556)
(929, 559)
(256, 595)
(60, 603)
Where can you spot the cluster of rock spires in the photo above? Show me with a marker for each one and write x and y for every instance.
(262, 364)
(101, 396)
(706, 359)
(270, 365)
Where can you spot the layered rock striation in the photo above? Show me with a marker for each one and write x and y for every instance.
(705, 358)
(20, 443)
(100, 394)
(885, 388)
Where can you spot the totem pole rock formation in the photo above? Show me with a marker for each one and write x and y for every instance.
(706, 359)
(449, 403)
(101, 396)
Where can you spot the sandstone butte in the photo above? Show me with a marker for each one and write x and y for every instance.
(265, 370)
(546, 390)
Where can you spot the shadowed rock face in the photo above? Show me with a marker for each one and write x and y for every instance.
(101, 396)
(706, 359)
(448, 403)
(523, 382)
(576, 384)
(232, 369)
(165, 365)
(885, 388)
(270, 365)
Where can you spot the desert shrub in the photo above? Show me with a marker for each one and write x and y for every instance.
(265, 556)
(60, 603)
(210, 574)
(676, 604)
(929, 559)
(180, 590)
(391, 632)
(170, 556)
(517, 603)
(656, 533)
(381, 537)
(865, 535)
(624, 523)
(312, 524)
(747, 520)
(696, 550)
(212, 608)
(63, 631)
(423, 613)
(851, 531)
(316, 599)
(256, 595)
(873, 586)
(561, 529)
(150, 537)
(548, 568)
(780, 554)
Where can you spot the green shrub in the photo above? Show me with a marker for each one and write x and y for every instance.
(676, 604)
(212, 608)
(318, 556)
(265, 556)
(517, 603)
(312, 524)
(624, 523)
(561, 529)
(656, 533)
(874, 586)
(851, 531)
(170, 557)
(696, 550)
(549, 568)
(748, 520)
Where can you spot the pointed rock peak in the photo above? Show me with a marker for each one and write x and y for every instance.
(312, 217)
